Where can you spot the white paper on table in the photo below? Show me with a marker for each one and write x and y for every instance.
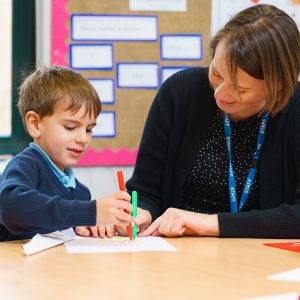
(291, 275)
(118, 244)
(287, 296)
(42, 242)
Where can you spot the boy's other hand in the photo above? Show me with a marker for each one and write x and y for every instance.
(101, 231)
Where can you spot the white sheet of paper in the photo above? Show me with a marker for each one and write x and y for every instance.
(91, 56)
(287, 296)
(158, 5)
(42, 242)
(105, 89)
(137, 75)
(118, 244)
(114, 27)
(167, 72)
(106, 125)
(181, 47)
(291, 275)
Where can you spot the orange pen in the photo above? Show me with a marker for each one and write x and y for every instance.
(122, 188)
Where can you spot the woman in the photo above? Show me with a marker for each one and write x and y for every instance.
(220, 152)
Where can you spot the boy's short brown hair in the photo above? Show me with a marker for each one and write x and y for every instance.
(47, 86)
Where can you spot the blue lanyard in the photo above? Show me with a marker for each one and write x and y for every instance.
(252, 171)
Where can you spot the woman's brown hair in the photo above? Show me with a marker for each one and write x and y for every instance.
(263, 41)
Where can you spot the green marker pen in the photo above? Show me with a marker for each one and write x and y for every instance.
(134, 212)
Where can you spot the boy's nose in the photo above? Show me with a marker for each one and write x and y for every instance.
(82, 137)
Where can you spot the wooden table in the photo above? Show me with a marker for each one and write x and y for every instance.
(203, 268)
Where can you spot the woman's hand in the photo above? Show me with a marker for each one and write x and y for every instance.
(177, 222)
(143, 220)
(100, 231)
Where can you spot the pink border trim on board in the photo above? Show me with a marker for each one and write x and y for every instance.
(108, 157)
(59, 33)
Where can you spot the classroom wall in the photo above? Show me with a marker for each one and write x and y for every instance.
(6, 69)
(101, 181)
(43, 31)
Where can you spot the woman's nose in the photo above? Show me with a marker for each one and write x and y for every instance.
(223, 91)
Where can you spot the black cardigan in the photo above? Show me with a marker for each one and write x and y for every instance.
(176, 125)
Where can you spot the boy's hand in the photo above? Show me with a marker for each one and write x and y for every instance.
(101, 231)
(143, 220)
(83, 231)
(114, 209)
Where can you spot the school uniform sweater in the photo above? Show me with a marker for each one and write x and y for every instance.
(33, 200)
(177, 123)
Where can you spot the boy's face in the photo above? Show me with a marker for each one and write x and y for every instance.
(65, 135)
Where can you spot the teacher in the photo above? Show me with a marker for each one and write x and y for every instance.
(220, 152)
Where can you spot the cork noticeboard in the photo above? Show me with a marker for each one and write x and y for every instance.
(131, 105)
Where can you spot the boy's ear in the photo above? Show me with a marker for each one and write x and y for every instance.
(32, 120)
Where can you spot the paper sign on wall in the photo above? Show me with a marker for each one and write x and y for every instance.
(114, 27)
(158, 5)
(166, 72)
(137, 75)
(106, 125)
(181, 47)
(91, 56)
(104, 88)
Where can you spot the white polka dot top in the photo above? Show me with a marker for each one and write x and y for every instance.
(206, 187)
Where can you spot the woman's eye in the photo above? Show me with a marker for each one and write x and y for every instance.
(216, 74)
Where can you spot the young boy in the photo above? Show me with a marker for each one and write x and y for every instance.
(38, 190)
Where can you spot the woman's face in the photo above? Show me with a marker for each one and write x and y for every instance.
(252, 98)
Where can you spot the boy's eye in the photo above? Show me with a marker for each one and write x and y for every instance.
(88, 130)
(69, 127)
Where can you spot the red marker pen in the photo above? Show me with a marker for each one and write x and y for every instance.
(122, 188)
